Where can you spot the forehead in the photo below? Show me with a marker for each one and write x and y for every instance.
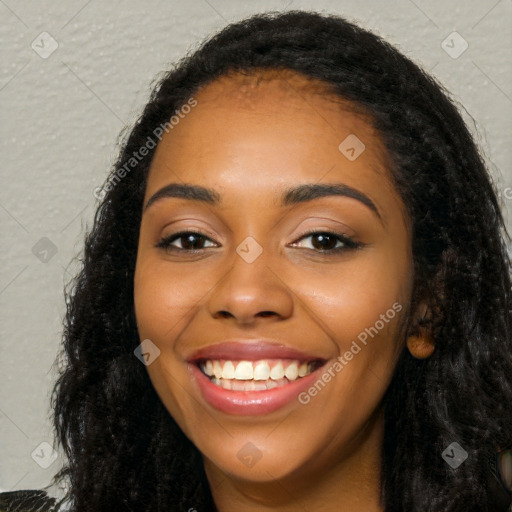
(267, 129)
(249, 89)
(274, 96)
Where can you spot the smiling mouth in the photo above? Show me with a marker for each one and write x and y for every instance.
(260, 375)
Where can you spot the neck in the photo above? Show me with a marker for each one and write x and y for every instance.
(350, 484)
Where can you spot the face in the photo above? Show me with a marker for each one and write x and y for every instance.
(276, 306)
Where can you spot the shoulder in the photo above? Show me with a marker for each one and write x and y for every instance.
(26, 501)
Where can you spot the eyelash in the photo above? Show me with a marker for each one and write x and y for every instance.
(349, 243)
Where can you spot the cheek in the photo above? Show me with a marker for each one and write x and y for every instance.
(364, 294)
(164, 299)
(359, 307)
(161, 306)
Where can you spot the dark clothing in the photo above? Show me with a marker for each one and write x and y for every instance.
(26, 501)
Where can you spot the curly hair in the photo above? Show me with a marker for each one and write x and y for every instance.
(124, 450)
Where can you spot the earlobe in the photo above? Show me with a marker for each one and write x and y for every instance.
(422, 345)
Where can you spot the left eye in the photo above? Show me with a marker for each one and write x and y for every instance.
(323, 241)
(189, 241)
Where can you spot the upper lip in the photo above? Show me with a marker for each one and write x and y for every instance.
(250, 350)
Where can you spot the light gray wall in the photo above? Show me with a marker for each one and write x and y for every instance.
(61, 116)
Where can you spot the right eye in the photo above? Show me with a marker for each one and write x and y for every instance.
(189, 241)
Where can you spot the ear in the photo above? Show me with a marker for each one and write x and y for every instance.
(421, 343)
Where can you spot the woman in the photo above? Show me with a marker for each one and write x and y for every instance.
(296, 293)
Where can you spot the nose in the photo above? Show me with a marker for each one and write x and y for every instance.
(251, 291)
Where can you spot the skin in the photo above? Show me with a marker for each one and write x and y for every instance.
(249, 138)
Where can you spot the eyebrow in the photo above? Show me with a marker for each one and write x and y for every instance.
(291, 196)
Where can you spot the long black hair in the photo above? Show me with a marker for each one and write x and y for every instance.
(124, 450)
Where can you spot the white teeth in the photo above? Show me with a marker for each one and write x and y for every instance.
(217, 369)
(243, 371)
(257, 386)
(255, 375)
(261, 371)
(227, 383)
(303, 369)
(248, 385)
(292, 371)
(237, 385)
(228, 370)
(208, 368)
(271, 384)
(277, 372)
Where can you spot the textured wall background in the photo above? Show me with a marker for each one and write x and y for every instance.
(65, 98)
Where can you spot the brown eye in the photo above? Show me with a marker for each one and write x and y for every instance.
(323, 241)
(189, 241)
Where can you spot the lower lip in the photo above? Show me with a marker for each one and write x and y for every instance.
(250, 403)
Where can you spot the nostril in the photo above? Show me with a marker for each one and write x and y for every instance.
(227, 314)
